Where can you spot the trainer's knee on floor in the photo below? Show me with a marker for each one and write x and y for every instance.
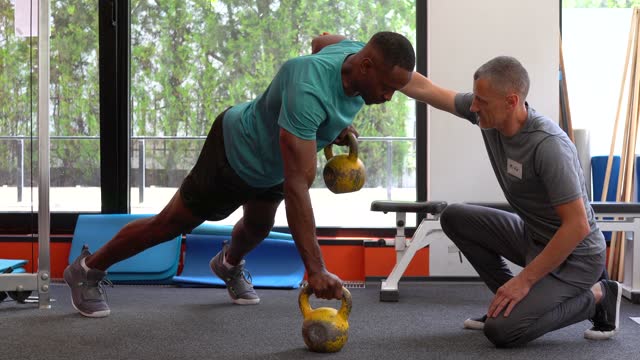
(503, 332)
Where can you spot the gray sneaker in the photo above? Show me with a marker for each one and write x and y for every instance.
(237, 279)
(87, 292)
(606, 321)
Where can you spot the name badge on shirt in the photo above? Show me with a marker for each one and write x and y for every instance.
(514, 168)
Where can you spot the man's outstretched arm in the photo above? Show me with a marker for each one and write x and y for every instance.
(423, 89)
(299, 158)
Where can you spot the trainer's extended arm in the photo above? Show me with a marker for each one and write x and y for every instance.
(326, 39)
(299, 158)
(423, 89)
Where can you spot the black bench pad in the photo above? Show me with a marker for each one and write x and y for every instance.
(616, 207)
(430, 207)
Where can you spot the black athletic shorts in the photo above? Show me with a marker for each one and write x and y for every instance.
(213, 190)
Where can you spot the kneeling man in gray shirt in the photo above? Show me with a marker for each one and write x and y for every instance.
(552, 232)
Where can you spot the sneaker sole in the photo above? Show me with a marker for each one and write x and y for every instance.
(473, 325)
(604, 335)
(237, 301)
(599, 335)
(246, 301)
(97, 314)
(618, 301)
(241, 301)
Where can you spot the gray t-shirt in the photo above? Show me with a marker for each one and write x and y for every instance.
(537, 168)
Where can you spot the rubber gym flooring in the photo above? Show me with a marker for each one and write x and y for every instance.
(165, 322)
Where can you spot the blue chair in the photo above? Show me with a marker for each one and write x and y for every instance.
(598, 172)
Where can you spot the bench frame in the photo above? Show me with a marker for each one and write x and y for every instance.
(629, 223)
(406, 249)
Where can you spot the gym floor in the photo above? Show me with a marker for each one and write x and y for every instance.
(165, 322)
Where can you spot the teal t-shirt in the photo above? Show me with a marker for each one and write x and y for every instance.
(306, 98)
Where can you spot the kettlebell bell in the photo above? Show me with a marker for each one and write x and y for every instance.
(324, 329)
(344, 173)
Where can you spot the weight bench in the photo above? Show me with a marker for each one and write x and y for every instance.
(11, 266)
(406, 249)
(610, 216)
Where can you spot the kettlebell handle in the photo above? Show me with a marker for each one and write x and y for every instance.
(353, 148)
(305, 307)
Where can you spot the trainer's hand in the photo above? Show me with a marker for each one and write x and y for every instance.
(342, 139)
(315, 47)
(325, 285)
(508, 296)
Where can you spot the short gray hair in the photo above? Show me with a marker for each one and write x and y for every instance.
(506, 73)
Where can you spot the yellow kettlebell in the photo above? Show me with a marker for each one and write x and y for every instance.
(324, 329)
(344, 173)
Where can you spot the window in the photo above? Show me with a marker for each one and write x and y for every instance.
(74, 109)
(594, 42)
(595, 36)
(18, 89)
(192, 59)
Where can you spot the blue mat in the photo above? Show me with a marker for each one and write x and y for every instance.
(275, 263)
(12, 266)
(156, 265)
(211, 228)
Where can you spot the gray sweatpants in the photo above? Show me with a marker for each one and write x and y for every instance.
(561, 298)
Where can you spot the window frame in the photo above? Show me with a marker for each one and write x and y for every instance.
(115, 130)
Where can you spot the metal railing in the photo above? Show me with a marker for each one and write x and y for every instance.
(20, 154)
(142, 159)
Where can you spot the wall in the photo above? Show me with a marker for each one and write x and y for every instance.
(462, 35)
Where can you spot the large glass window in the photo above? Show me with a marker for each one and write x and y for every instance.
(594, 41)
(74, 112)
(18, 104)
(75, 109)
(595, 35)
(192, 59)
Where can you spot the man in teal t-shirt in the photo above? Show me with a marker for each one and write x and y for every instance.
(306, 98)
(257, 154)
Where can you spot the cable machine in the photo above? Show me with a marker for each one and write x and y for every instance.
(39, 281)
